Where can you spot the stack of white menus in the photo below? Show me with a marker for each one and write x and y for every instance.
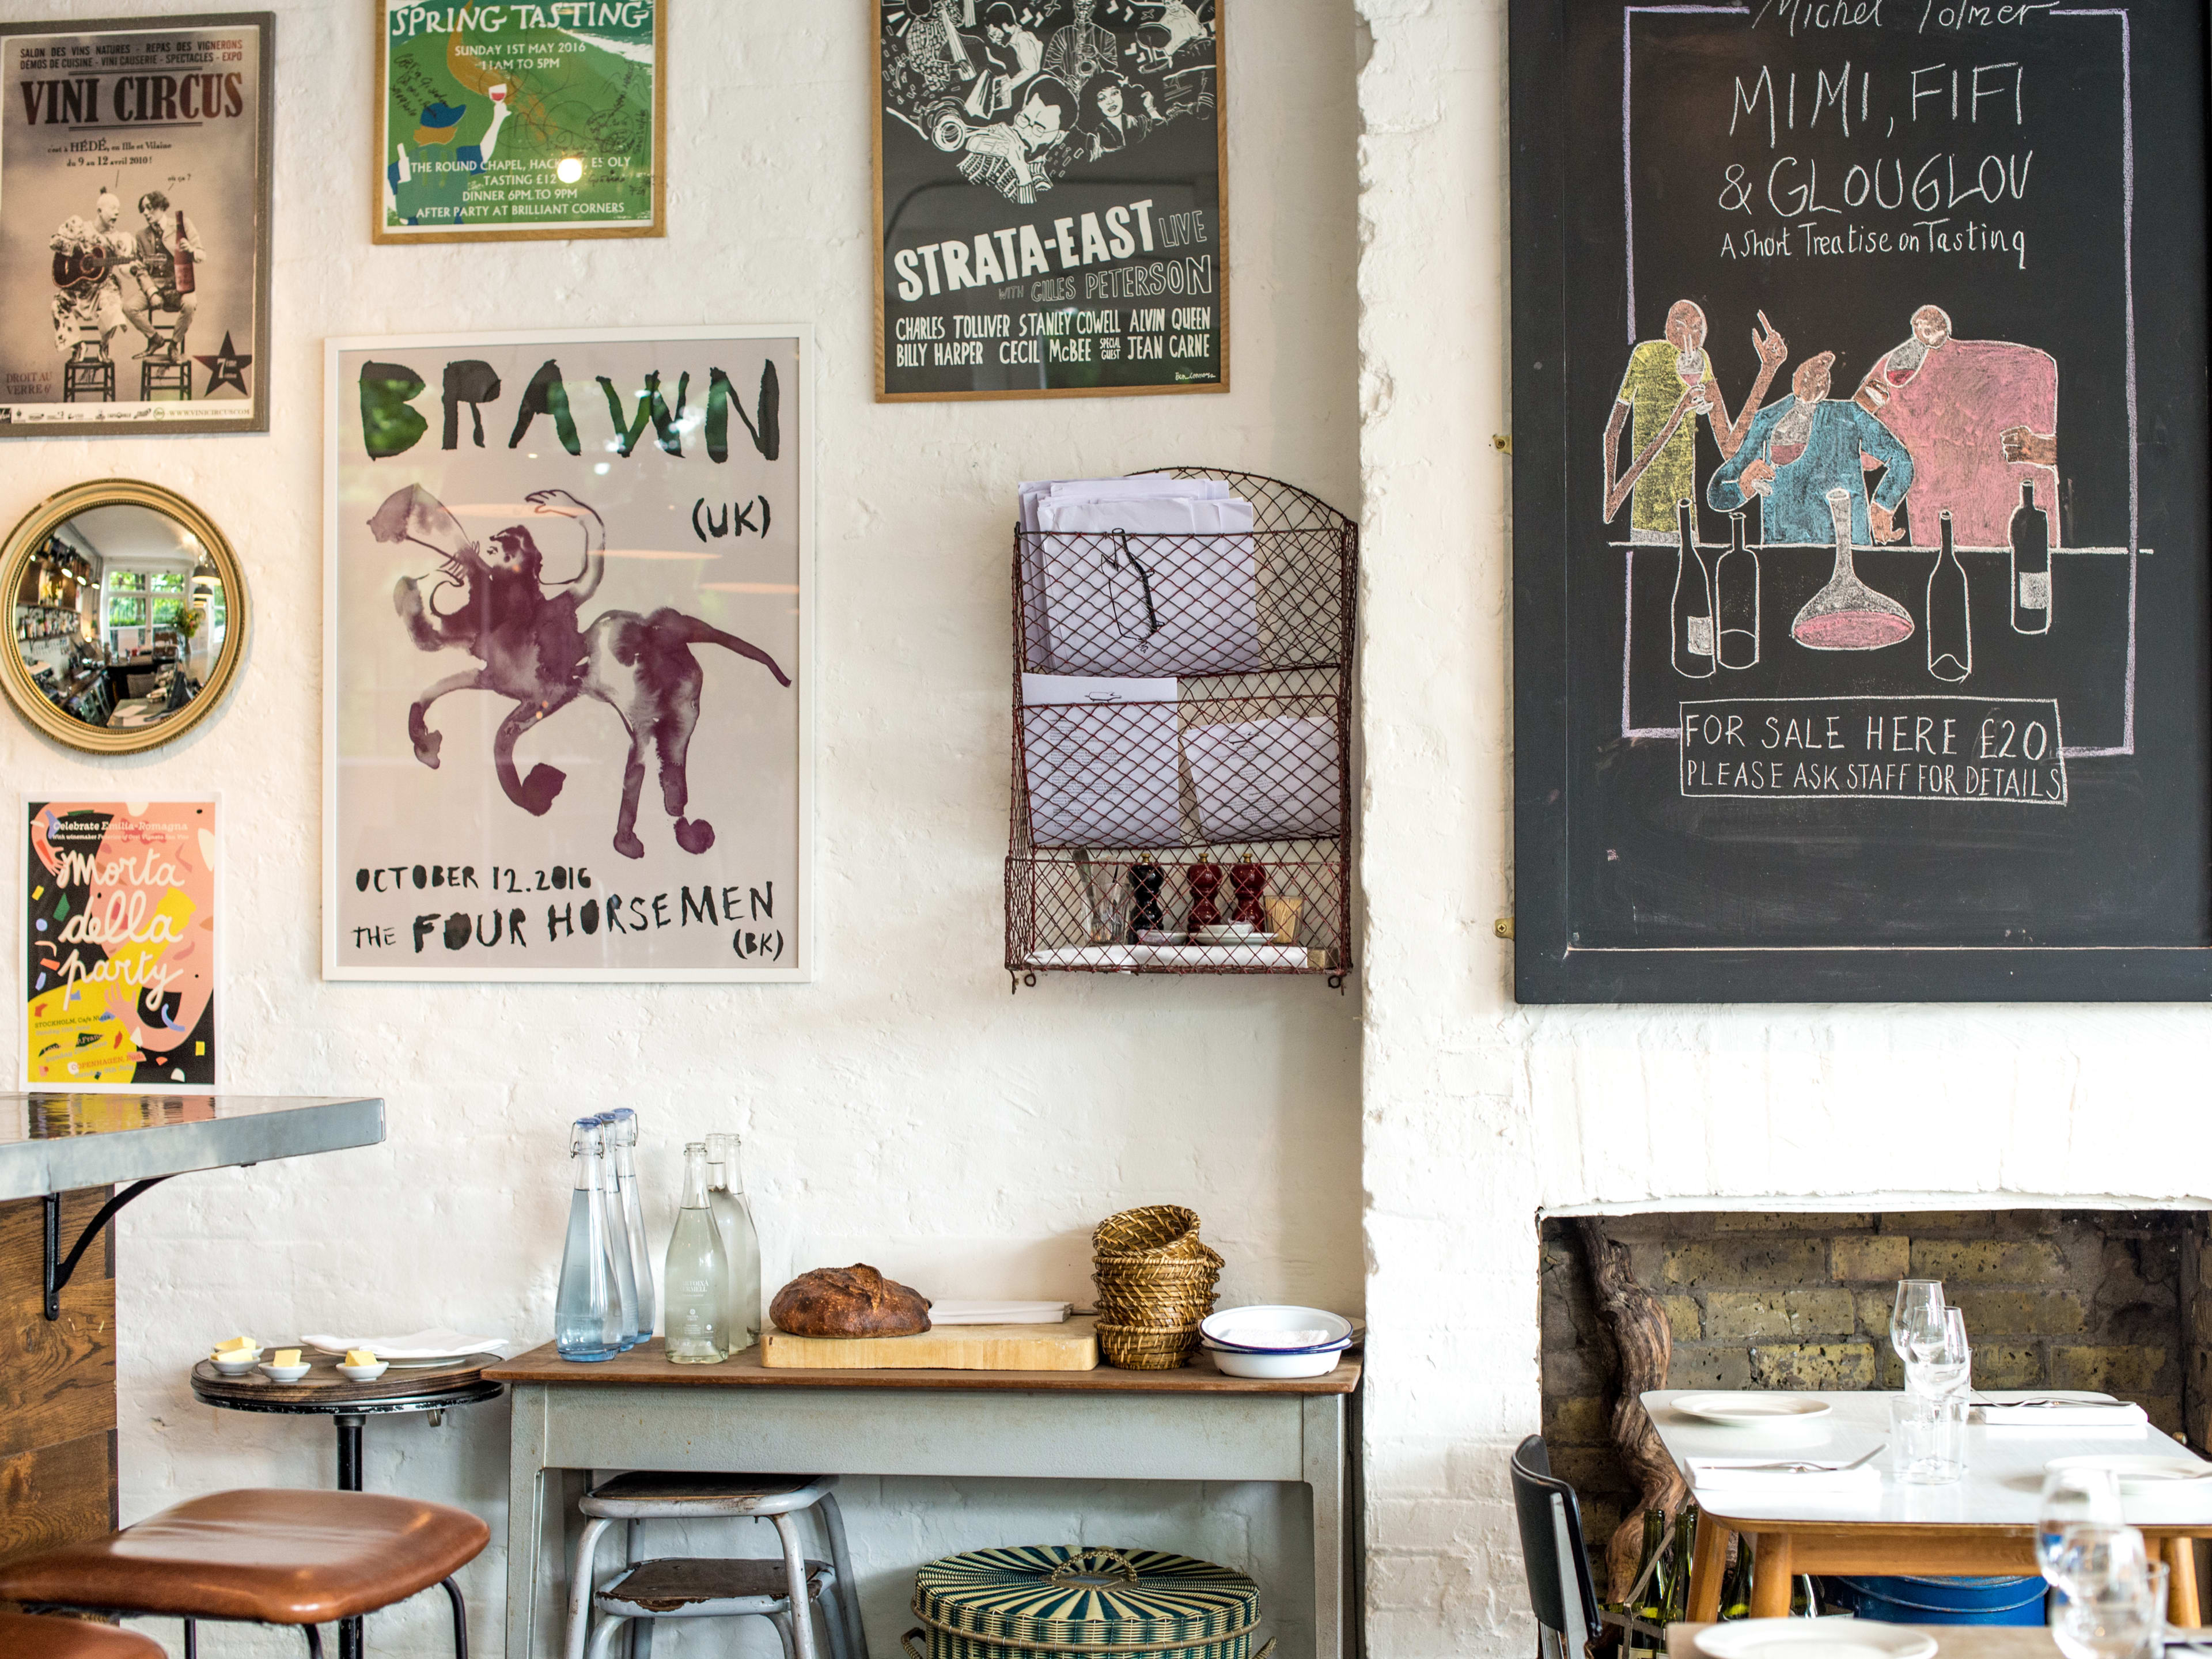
(1147, 576)
(1100, 759)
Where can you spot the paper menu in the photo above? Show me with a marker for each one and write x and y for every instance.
(1162, 585)
(1266, 779)
(1037, 623)
(1100, 761)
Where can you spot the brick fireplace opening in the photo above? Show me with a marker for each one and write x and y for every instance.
(2110, 1299)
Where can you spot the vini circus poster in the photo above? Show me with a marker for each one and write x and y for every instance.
(569, 639)
(119, 945)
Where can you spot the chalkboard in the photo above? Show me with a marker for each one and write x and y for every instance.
(1898, 306)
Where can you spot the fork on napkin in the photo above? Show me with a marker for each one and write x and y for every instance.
(2027, 1408)
(1802, 1474)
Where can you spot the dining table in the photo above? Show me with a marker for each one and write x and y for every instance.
(1982, 1523)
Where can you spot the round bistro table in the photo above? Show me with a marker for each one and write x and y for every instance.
(322, 1393)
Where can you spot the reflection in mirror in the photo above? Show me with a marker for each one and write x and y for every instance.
(125, 615)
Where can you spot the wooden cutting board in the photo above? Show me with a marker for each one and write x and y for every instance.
(1069, 1347)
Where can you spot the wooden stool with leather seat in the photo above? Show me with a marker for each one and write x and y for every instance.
(24, 1636)
(266, 1557)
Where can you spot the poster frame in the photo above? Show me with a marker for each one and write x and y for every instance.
(263, 23)
(803, 967)
(559, 231)
(1549, 965)
(24, 800)
(1223, 285)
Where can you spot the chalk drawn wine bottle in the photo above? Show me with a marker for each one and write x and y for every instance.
(697, 1282)
(2030, 565)
(1950, 629)
(1693, 601)
(1735, 601)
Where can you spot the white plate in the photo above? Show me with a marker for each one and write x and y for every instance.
(1755, 1407)
(2150, 1471)
(1813, 1638)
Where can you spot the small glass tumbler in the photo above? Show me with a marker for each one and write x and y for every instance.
(1930, 1434)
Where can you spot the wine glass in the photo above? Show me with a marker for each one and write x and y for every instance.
(1944, 1365)
(2070, 1498)
(1916, 1321)
(2114, 1604)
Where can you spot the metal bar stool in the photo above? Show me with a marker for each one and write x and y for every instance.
(24, 1636)
(680, 1587)
(263, 1557)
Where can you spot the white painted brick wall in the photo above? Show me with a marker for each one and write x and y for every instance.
(905, 1108)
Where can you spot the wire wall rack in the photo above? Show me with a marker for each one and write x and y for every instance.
(1182, 746)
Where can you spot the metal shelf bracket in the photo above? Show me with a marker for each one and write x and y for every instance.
(57, 1277)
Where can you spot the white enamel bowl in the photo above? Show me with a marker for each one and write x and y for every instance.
(1271, 1329)
(1273, 1366)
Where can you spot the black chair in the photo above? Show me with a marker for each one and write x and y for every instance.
(1560, 1586)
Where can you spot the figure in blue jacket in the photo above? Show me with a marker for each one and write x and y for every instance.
(1800, 449)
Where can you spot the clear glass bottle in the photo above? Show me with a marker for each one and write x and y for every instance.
(622, 1263)
(697, 1282)
(586, 1308)
(1692, 607)
(1735, 601)
(1950, 626)
(2030, 565)
(622, 1136)
(733, 1219)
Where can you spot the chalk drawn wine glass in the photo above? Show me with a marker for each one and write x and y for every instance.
(1847, 615)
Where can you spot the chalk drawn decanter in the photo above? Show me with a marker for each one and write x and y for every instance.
(621, 1264)
(622, 1140)
(2030, 565)
(697, 1281)
(734, 1220)
(1735, 601)
(1847, 615)
(1950, 627)
(1692, 609)
(587, 1306)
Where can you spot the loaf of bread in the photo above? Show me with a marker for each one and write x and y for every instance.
(855, 1301)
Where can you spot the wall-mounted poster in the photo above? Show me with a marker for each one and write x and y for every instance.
(119, 936)
(1860, 502)
(569, 640)
(134, 224)
(515, 121)
(1051, 190)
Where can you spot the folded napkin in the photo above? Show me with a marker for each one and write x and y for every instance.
(999, 1313)
(438, 1343)
(2023, 1408)
(1773, 1474)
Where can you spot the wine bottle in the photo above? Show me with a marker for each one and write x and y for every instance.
(1950, 630)
(2030, 565)
(1735, 601)
(1735, 1587)
(1649, 1602)
(1686, 1547)
(1804, 1599)
(1693, 619)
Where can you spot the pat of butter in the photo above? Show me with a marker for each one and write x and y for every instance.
(285, 1359)
(234, 1345)
(360, 1356)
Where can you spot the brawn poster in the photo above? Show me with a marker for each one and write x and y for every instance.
(568, 582)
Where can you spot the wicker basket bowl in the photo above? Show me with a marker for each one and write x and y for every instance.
(1152, 1305)
(1154, 1231)
(1144, 1348)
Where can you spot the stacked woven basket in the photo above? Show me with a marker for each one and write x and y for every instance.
(1156, 1280)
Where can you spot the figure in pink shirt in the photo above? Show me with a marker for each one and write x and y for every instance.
(1980, 417)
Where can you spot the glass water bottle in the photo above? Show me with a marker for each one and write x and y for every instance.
(623, 1264)
(734, 1219)
(622, 1136)
(697, 1282)
(586, 1308)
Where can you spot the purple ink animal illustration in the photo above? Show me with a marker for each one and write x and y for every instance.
(530, 644)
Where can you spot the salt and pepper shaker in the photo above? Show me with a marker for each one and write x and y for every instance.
(1146, 879)
(1249, 883)
(1205, 883)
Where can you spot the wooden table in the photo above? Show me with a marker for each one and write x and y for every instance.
(1952, 1641)
(1983, 1523)
(640, 1412)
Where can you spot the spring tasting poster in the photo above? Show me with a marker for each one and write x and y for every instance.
(120, 945)
(569, 644)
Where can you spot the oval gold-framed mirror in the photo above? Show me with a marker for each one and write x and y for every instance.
(129, 612)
